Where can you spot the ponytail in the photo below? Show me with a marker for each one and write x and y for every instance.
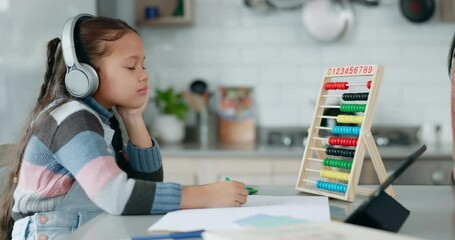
(52, 88)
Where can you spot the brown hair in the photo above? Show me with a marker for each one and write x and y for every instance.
(451, 56)
(92, 37)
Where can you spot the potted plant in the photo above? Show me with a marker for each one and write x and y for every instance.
(170, 122)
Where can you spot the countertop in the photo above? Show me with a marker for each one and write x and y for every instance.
(432, 214)
(193, 150)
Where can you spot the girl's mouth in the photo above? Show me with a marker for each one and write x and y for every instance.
(143, 90)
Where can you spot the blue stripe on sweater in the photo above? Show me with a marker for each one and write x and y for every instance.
(38, 154)
(80, 150)
(144, 159)
(167, 197)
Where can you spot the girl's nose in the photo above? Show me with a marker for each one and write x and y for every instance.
(144, 76)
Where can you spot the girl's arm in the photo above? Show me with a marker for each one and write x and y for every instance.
(136, 129)
(79, 145)
(144, 157)
(135, 125)
(137, 162)
(221, 194)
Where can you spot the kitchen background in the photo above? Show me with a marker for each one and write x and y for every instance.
(229, 44)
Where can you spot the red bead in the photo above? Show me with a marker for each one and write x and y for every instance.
(369, 84)
(345, 85)
(327, 86)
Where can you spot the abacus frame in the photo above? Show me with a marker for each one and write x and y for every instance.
(365, 138)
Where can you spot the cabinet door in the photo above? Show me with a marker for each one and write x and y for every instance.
(249, 171)
(285, 171)
(422, 172)
(181, 170)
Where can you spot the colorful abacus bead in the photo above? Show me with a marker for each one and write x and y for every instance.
(350, 142)
(335, 187)
(340, 152)
(349, 119)
(346, 130)
(335, 175)
(336, 86)
(355, 96)
(330, 162)
(353, 107)
(369, 84)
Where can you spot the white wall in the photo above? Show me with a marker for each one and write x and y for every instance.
(25, 28)
(231, 45)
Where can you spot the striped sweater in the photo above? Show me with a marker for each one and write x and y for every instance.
(73, 143)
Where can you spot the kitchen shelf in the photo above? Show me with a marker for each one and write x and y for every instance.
(164, 12)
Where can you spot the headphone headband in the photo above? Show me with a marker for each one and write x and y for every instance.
(81, 80)
(68, 48)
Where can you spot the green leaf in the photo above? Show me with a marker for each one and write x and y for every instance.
(169, 101)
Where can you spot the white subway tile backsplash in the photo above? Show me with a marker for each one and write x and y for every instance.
(232, 45)
(266, 94)
(273, 52)
(278, 34)
(235, 35)
(277, 115)
(299, 95)
(435, 113)
(280, 74)
(296, 54)
(260, 55)
(240, 75)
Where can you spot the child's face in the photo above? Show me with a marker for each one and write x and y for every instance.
(123, 80)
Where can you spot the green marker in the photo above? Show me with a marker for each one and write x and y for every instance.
(251, 191)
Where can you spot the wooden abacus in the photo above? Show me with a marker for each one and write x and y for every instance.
(341, 171)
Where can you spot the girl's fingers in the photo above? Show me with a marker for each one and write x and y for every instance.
(244, 192)
(238, 184)
(241, 199)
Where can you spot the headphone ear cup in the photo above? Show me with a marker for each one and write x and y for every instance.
(82, 82)
(92, 76)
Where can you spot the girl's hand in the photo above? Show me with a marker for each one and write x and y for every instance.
(221, 194)
(135, 125)
(126, 113)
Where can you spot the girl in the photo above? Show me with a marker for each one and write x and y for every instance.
(71, 166)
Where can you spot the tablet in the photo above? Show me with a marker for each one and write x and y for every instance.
(381, 210)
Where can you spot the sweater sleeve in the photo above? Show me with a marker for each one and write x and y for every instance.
(144, 159)
(79, 145)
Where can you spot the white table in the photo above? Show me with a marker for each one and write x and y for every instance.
(432, 214)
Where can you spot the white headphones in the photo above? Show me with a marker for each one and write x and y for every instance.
(81, 79)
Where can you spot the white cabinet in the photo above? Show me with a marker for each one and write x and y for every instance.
(181, 170)
(252, 171)
(249, 171)
(285, 171)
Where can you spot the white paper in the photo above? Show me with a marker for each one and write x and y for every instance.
(313, 231)
(309, 208)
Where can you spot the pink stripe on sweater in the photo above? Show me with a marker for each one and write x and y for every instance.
(96, 173)
(43, 181)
